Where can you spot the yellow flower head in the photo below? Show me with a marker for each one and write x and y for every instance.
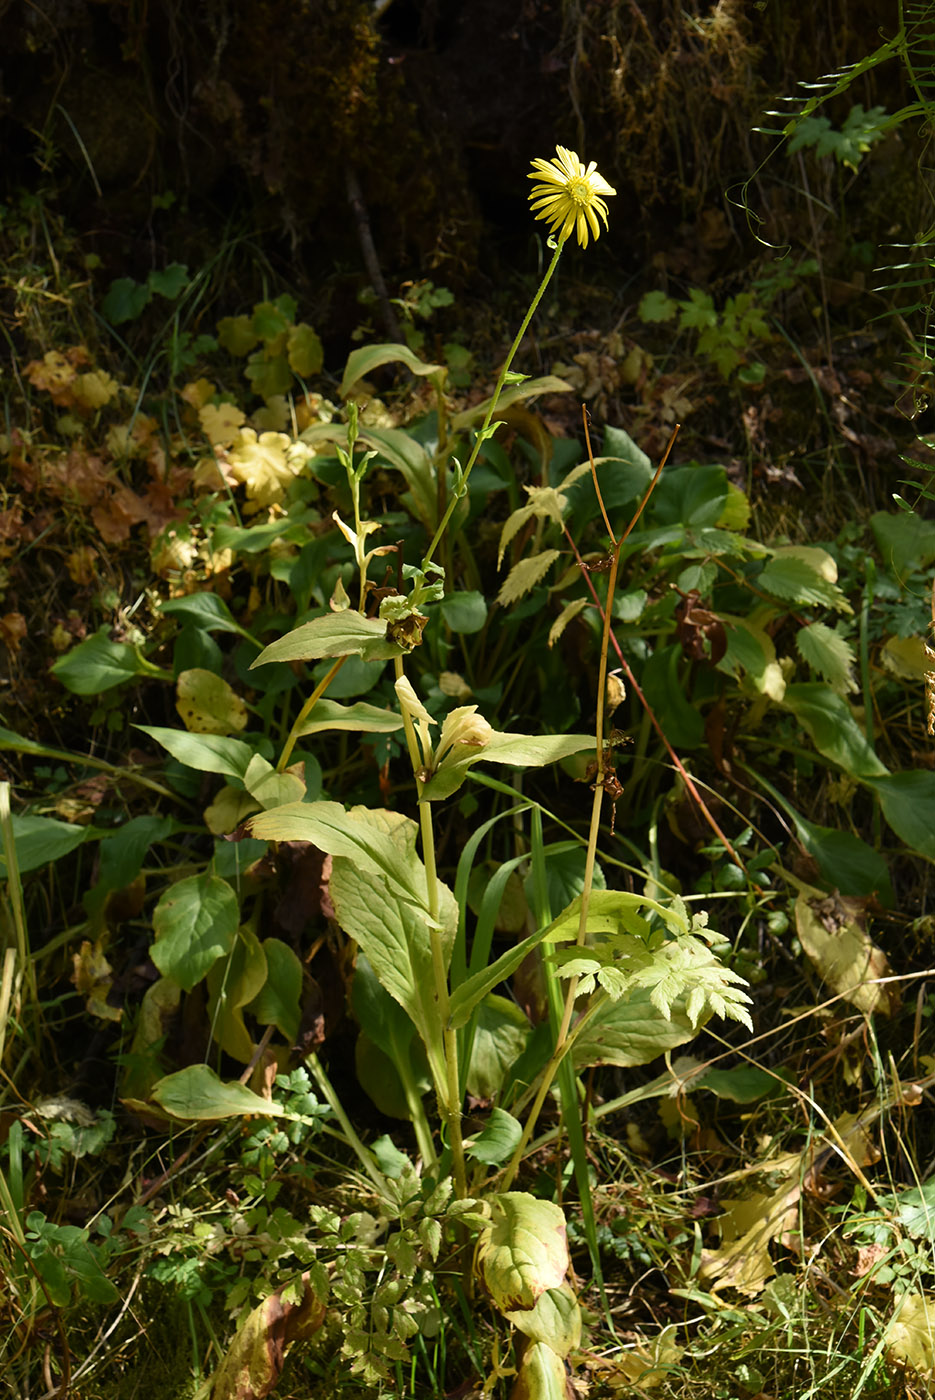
(569, 197)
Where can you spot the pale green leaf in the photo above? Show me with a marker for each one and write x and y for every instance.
(541, 1375)
(360, 718)
(393, 932)
(525, 575)
(197, 1093)
(792, 577)
(277, 1002)
(568, 612)
(514, 393)
(362, 362)
(522, 1250)
(631, 1031)
(513, 750)
(340, 833)
(500, 1035)
(39, 840)
(555, 1320)
(271, 789)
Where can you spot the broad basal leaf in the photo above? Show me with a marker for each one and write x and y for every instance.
(340, 833)
(554, 1319)
(98, 664)
(393, 931)
(631, 1031)
(522, 1250)
(541, 1375)
(910, 1333)
(908, 802)
(41, 839)
(254, 1362)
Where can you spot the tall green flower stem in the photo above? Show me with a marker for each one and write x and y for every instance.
(448, 1091)
(295, 733)
(485, 430)
(562, 1040)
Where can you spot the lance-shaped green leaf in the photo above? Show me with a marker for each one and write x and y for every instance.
(512, 750)
(522, 1250)
(340, 833)
(197, 1093)
(346, 633)
(514, 393)
(833, 728)
(392, 931)
(209, 753)
(362, 362)
(360, 718)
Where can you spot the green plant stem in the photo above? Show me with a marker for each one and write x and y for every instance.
(15, 897)
(305, 711)
(481, 436)
(363, 1156)
(448, 1090)
(450, 1102)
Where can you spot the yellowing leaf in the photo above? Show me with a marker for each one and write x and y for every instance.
(197, 392)
(525, 575)
(253, 1365)
(271, 789)
(906, 657)
(266, 465)
(523, 1250)
(646, 1366)
(92, 977)
(832, 933)
(748, 1227)
(569, 611)
(910, 1335)
(228, 810)
(208, 705)
(94, 389)
(221, 422)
